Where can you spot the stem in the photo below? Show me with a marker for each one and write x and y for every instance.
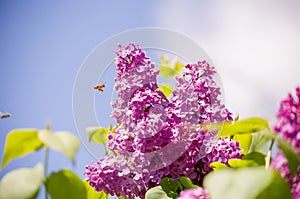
(46, 169)
(268, 157)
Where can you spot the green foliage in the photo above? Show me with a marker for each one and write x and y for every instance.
(22, 183)
(187, 183)
(156, 193)
(292, 157)
(238, 163)
(97, 134)
(92, 194)
(250, 125)
(216, 166)
(250, 183)
(244, 140)
(168, 69)
(65, 184)
(258, 157)
(60, 141)
(166, 89)
(20, 142)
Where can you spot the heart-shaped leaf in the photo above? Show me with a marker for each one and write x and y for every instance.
(156, 193)
(97, 134)
(22, 183)
(92, 194)
(60, 141)
(20, 142)
(65, 184)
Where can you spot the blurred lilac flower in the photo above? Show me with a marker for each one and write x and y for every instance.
(197, 193)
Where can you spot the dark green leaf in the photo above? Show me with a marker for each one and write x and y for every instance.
(258, 157)
(156, 193)
(22, 183)
(166, 89)
(61, 141)
(171, 187)
(187, 183)
(250, 125)
(92, 194)
(20, 142)
(216, 166)
(65, 184)
(244, 141)
(290, 154)
(237, 163)
(97, 134)
(247, 183)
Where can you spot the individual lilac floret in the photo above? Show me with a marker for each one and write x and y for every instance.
(197, 193)
(288, 119)
(280, 163)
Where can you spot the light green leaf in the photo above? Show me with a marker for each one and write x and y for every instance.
(187, 183)
(22, 183)
(60, 141)
(244, 141)
(290, 154)
(238, 163)
(20, 142)
(92, 194)
(250, 125)
(65, 184)
(97, 134)
(216, 166)
(258, 157)
(166, 89)
(168, 69)
(156, 193)
(261, 141)
(250, 183)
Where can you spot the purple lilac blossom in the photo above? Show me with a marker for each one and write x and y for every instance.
(288, 126)
(197, 193)
(157, 136)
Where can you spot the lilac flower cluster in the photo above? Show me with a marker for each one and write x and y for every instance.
(197, 193)
(158, 136)
(288, 126)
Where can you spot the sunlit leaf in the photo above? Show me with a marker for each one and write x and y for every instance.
(97, 134)
(92, 194)
(156, 193)
(250, 183)
(258, 157)
(238, 163)
(290, 154)
(61, 141)
(22, 183)
(166, 89)
(216, 166)
(250, 125)
(261, 141)
(20, 142)
(65, 184)
(168, 69)
(244, 141)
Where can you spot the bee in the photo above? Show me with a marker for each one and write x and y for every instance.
(100, 87)
(4, 115)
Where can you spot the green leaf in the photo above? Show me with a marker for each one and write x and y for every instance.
(65, 184)
(258, 157)
(261, 141)
(244, 141)
(22, 183)
(187, 183)
(250, 125)
(166, 89)
(156, 193)
(168, 69)
(250, 183)
(92, 194)
(216, 166)
(171, 187)
(290, 154)
(60, 141)
(237, 163)
(97, 134)
(20, 142)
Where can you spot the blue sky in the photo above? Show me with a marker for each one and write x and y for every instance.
(254, 45)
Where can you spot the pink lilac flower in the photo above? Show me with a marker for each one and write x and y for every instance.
(157, 136)
(288, 119)
(197, 193)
